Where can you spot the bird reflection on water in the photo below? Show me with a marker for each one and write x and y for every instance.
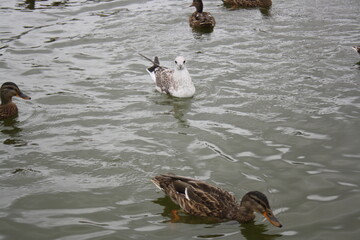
(12, 131)
(180, 107)
(250, 231)
(31, 4)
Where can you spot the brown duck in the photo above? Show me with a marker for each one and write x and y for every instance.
(200, 19)
(8, 108)
(356, 49)
(247, 3)
(202, 199)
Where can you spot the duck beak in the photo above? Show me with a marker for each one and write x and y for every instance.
(23, 96)
(272, 219)
(192, 5)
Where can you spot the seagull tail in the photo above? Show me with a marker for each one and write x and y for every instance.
(155, 61)
(156, 64)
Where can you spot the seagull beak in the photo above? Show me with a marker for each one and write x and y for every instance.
(272, 219)
(181, 67)
(192, 5)
(23, 96)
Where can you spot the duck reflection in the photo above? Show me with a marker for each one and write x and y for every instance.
(255, 232)
(249, 231)
(12, 132)
(174, 213)
(30, 4)
(201, 34)
(265, 12)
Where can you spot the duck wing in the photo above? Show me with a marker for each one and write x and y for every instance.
(196, 197)
(204, 19)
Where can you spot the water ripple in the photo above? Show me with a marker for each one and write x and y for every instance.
(276, 110)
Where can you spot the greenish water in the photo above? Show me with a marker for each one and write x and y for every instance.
(276, 110)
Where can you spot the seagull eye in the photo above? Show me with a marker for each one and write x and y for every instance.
(184, 61)
(175, 62)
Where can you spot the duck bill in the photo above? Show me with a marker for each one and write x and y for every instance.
(23, 96)
(272, 219)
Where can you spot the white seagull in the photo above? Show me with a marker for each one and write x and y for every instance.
(175, 82)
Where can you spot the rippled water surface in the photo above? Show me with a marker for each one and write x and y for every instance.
(276, 110)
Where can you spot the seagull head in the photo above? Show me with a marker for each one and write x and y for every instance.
(180, 63)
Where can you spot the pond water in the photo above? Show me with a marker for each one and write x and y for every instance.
(276, 110)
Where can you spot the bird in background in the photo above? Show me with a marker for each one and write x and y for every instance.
(200, 19)
(8, 108)
(247, 3)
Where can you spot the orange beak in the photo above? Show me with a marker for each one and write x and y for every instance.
(272, 219)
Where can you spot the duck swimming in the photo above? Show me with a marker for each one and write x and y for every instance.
(356, 49)
(202, 199)
(200, 19)
(247, 3)
(175, 82)
(8, 108)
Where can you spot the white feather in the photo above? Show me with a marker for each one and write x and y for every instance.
(158, 186)
(152, 75)
(186, 194)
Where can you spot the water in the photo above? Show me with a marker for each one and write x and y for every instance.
(276, 110)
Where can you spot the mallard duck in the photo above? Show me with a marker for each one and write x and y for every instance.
(200, 19)
(356, 49)
(8, 108)
(202, 199)
(247, 3)
(175, 82)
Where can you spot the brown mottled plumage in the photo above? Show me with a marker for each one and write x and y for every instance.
(175, 82)
(200, 19)
(201, 199)
(247, 3)
(8, 107)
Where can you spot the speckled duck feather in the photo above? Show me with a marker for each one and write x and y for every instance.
(199, 198)
(247, 3)
(200, 19)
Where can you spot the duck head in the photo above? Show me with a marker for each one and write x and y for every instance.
(9, 90)
(257, 202)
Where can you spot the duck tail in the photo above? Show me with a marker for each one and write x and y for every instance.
(156, 182)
